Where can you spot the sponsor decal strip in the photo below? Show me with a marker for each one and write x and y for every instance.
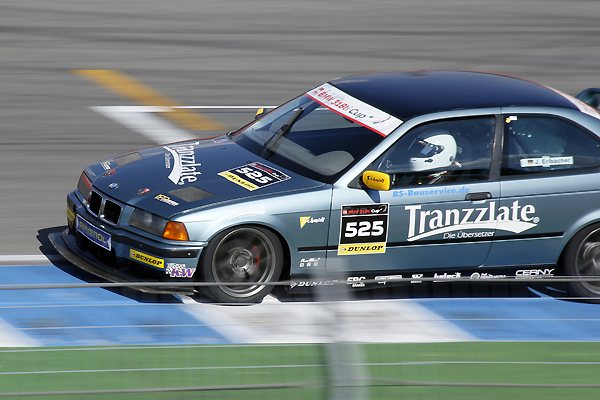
(375, 278)
(354, 109)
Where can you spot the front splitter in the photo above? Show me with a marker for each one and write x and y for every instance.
(67, 248)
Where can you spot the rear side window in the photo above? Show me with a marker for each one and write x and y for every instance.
(543, 144)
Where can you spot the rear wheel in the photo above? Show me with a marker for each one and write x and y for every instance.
(582, 259)
(238, 257)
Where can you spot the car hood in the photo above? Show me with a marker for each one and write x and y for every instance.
(170, 179)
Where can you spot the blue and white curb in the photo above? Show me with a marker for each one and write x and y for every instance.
(96, 316)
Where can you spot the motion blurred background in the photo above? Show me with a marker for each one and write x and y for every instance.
(236, 53)
(232, 52)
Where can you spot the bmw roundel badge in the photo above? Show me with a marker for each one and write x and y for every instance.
(113, 185)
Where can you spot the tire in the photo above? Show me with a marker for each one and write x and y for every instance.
(582, 259)
(241, 255)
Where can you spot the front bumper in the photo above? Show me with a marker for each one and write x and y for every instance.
(130, 257)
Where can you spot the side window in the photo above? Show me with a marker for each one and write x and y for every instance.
(543, 144)
(458, 150)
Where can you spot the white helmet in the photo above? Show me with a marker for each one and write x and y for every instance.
(435, 149)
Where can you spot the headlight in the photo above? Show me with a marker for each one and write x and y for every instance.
(148, 222)
(158, 226)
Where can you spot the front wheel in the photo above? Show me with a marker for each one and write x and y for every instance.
(239, 257)
(582, 259)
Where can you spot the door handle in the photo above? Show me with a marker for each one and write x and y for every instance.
(478, 196)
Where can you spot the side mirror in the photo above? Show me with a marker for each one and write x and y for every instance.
(590, 96)
(376, 180)
(259, 113)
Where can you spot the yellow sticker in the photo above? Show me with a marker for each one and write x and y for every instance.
(369, 248)
(146, 259)
(236, 179)
(70, 215)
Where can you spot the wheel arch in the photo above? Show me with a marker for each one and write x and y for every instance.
(583, 223)
(286, 269)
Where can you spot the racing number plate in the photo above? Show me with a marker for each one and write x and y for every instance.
(254, 176)
(364, 229)
(96, 235)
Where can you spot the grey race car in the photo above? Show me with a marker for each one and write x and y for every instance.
(439, 174)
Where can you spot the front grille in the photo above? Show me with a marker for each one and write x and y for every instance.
(104, 208)
(112, 211)
(95, 203)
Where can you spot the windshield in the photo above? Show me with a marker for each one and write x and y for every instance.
(308, 138)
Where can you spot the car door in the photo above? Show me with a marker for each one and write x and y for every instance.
(549, 185)
(440, 211)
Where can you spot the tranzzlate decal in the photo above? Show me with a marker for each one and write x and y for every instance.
(460, 223)
(363, 229)
(183, 165)
(254, 176)
(546, 161)
(354, 109)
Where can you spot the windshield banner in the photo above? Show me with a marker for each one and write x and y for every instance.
(354, 109)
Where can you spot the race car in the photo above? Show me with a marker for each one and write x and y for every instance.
(388, 177)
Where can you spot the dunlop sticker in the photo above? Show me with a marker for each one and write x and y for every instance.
(147, 259)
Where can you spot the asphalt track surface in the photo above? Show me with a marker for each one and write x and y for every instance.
(232, 53)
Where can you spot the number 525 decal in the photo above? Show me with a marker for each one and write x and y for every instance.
(254, 175)
(363, 229)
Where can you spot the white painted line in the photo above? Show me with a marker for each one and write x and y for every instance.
(141, 120)
(12, 337)
(370, 321)
(30, 258)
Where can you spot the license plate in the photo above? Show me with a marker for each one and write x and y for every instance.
(96, 235)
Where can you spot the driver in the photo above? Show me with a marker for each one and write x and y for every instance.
(435, 151)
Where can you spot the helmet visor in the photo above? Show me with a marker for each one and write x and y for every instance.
(424, 149)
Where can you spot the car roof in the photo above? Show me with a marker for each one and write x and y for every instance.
(408, 94)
